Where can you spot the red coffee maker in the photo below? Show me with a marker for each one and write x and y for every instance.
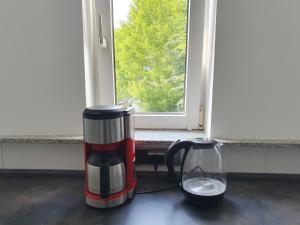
(109, 152)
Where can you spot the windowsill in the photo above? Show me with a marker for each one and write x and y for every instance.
(153, 139)
(162, 139)
(145, 139)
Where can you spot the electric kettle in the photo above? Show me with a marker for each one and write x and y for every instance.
(105, 173)
(202, 176)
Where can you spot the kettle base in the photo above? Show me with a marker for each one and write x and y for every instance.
(204, 201)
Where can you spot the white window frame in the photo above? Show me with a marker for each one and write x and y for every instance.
(99, 69)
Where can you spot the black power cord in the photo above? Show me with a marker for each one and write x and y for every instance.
(155, 165)
(157, 190)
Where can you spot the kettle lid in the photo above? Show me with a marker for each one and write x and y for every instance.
(204, 143)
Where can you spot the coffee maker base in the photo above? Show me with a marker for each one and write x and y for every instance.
(108, 203)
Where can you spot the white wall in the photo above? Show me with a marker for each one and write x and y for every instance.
(42, 156)
(41, 67)
(70, 157)
(257, 69)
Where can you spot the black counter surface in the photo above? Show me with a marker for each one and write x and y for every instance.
(58, 199)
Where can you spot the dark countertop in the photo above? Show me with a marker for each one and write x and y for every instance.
(58, 199)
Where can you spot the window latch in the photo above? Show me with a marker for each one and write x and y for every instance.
(201, 118)
(101, 40)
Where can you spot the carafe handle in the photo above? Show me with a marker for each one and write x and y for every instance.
(172, 151)
(104, 180)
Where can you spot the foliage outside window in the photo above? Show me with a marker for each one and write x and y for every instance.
(150, 55)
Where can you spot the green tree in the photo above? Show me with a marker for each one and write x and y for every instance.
(150, 52)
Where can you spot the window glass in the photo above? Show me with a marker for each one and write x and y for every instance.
(150, 53)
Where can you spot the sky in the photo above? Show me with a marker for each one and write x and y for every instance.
(120, 11)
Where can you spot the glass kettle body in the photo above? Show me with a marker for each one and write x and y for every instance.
(202, 176)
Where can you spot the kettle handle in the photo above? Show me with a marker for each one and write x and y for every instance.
(172, 151)
(104, 180)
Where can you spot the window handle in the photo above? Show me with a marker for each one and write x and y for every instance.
(101, 40)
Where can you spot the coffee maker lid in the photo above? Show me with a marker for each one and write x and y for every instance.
(100, 112)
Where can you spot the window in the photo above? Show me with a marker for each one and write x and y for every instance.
(153, 54)
(150, 53)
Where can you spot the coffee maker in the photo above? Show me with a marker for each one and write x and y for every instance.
(109, 155)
